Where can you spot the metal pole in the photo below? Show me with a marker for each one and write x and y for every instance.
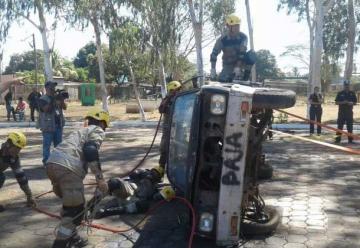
(36, 62)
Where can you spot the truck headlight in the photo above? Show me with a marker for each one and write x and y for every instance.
(206, 223)
(217, 105)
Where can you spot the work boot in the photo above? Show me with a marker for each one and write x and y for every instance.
(60, 243)
(337, 140)
(77, 241)
(2, 209)
(101, 213)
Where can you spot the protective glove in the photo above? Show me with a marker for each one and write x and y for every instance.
(213, 74)
(103, 186)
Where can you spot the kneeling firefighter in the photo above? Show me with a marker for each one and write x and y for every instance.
(136, 193)
(9, 157)
(67, 166)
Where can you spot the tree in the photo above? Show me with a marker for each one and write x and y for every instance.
(81, 59)
(12, 11)
(127, 40)
(98, 13)
(266, 65)
(314, 11)
(248, 14)
(351, 28)
(24, 62)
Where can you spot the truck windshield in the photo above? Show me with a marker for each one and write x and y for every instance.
(180, 140)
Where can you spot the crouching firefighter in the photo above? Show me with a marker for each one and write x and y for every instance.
(165, 107)
(67, 166)
(135, 194)
(9, 157)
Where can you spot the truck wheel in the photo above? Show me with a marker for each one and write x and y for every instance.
(270, 98)
(263, 227)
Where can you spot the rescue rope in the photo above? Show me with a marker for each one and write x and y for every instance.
(147, 214)
(341, 148)
(320, 124)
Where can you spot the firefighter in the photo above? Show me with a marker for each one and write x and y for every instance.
(346, 99)
(315, 100)
(67, 166)
(9, 157)
(234, 47)
(173, 88)
(135, 194)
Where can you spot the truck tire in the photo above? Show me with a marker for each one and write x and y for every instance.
(251, 228)
(265, 172)
(271, 98)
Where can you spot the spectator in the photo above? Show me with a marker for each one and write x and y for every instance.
(9, 107)
(315, 100)
(21, 108)
(33, 102)
(51, 118)
(346, 99)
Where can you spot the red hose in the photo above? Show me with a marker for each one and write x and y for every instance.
(118, 230)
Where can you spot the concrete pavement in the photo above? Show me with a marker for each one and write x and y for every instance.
(316, 189)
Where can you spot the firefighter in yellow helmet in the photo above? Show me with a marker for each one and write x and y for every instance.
(9, 157)
(173, 88)
(134, 194)
(68, 165)
(233, 45)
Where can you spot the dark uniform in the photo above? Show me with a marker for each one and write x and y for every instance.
(33, 103)
(14, 164)
(315, 111)
(164, 109)
(9, 108)
(345, 114)
(234, 51)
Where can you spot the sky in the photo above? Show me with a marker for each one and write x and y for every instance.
(273, 31)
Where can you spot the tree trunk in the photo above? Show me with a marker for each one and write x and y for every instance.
(95, 24)
(47, 53)
(198, 27)
(311, 48)
(162, 75)
(351, 41)
(318, 44)
(248, 14)
(133, 79)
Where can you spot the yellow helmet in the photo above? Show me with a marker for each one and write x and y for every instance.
(18, 139)
(159, 170)
(232, 20)
(173, 85)
(100, 115)
(168, 193)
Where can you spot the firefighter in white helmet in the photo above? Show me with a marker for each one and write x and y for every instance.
(67, 166)
(9, 157)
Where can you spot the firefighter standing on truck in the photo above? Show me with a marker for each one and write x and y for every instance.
(9, 157)
(346, 99)
(234, 47)
(165, 107)
(67, 166)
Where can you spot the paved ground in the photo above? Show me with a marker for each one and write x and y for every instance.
(316, 189)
